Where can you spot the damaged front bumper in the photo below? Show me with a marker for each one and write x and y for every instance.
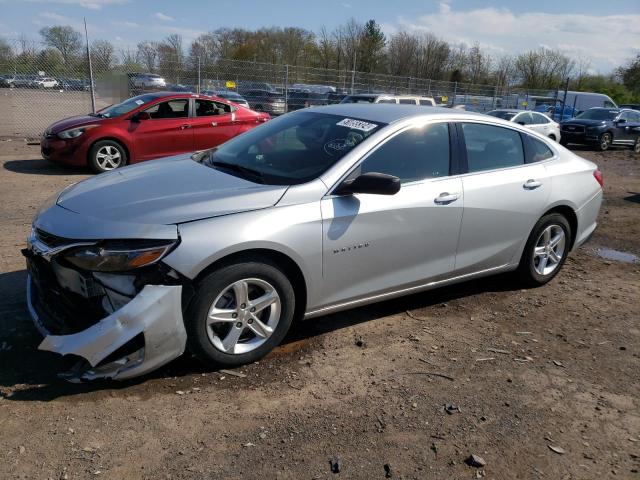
(155, 313)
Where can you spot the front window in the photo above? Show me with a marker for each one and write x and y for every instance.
(598, 114)
(128, 105)
(412, 155)
(171, 109)
(291, 149)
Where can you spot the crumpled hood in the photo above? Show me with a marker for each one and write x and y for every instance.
(73, 122)
(168, 191)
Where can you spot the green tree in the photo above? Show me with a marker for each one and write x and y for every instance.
(64, 39)
(372, 43)
(630, 75)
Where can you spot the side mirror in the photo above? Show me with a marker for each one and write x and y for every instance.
(621, 120)
(373, 183)
(141, 116)
(521, 123)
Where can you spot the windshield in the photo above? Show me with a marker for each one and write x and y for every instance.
(291, 149)
(502, 114)
(598, 114)
(128, 105)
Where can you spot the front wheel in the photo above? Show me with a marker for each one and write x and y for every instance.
(546, 250)
(107, 155)
(239, 314)
(636, 145)
(604, 142)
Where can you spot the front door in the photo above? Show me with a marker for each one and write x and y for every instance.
(167, 132)
(503, 197)
(373, 244)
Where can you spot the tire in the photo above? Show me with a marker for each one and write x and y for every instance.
(636, 146)
(213, 341)
(531, 270)
(552, 137)
(107, 155)
(604, 142)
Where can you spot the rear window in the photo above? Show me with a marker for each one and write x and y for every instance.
(490, 147)
(537, 151)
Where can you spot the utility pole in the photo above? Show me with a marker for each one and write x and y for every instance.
(93, 93)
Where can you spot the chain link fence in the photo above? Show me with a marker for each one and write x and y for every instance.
(39, 85)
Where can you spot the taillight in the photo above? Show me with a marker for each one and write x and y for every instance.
(597, 174)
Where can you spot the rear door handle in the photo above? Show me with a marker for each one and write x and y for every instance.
(532, 184)
(445, 198)
(184, 126)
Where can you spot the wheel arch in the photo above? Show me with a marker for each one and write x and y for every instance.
(571, 216)
(119, 141)
(278, 259)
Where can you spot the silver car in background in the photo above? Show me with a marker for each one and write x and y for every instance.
(317, 211)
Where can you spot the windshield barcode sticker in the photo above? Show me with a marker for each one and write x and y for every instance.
(357, 124)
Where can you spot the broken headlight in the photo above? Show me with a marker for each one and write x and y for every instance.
(119, 256)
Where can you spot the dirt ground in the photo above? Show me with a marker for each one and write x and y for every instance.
(547, 380)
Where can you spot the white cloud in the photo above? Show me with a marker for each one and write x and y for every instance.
(126, 24)
(346, 5)
(502, 31)
(163, 17)
(52, 18)
(89, 4)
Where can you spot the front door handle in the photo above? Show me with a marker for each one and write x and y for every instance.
(185, 126)
(532, 184)
(445, 198)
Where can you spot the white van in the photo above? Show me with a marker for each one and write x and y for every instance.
(384, 98)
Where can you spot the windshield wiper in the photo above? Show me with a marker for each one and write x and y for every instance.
(240, 169)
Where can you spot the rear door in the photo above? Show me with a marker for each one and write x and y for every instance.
(167, 132)
(213, 123)
(374, 244)
(503, 196)
(541, 124)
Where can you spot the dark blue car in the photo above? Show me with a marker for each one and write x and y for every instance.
(603, 127)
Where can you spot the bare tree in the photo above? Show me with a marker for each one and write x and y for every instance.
(147, 55)
(64, 39)
(103, 55)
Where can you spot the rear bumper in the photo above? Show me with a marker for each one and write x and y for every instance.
(154, 313)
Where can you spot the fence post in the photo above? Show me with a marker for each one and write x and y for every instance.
(429, 88)
(455, 92)
(198, 91)
(495, 95)
(286, 88)
(93, 93)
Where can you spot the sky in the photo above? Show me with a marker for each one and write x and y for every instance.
(607, 33)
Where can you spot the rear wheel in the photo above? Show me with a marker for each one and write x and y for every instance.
(636, 145)
(107, 155)
(546, 250)
(240, 313)
(552, 137)
(604, 142)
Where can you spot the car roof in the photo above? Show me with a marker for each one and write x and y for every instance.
(389, 113)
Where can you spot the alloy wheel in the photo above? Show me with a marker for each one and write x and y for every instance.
(549, 249)
(605, 141)
(108, 157)
(243, 316)
(636, 146)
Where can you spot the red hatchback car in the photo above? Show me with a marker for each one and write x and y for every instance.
(145, 127)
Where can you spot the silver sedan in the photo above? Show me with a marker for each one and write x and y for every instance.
(317, 211)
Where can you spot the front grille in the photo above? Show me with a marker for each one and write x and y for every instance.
(61, 311)
(573, 128)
